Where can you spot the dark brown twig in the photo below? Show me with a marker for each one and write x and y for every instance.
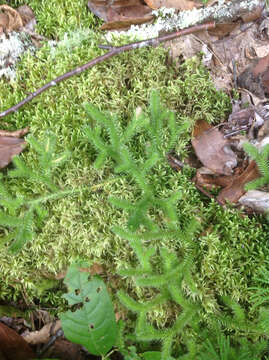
(175, 163)
(113, 50)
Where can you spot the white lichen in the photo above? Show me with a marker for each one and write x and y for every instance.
(167, 20)
(70, 41)
(12, 46)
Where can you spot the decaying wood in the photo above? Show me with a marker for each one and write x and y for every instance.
(232, 10)
(221, 13)
(113, 50)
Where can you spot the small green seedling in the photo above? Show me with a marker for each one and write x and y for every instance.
(21, 215)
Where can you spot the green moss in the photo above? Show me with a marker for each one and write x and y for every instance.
(54, 18)
(231, 247)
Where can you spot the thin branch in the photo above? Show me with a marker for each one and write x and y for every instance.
(113, 50)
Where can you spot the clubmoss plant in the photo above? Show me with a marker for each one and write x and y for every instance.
(22, 214)
(159, 269)
(119, 151)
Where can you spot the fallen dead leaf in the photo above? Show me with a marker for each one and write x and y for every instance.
(175, 4)
(125, 23)
(214, 152)
(16, 133)
(210, 181)
(255, 78)
(222, 30)
(65, 350)
(10, 19)
(100, 8)
(120, 13)
(232, 45)
(236, 189)
(199, 127)
(27, 16)
(11, 145)
(252, 15)
(42, 336)
(13, 346)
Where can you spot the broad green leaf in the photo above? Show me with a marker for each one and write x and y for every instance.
(93, 325)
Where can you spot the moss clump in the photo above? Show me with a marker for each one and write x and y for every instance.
(54, 18)
(81, 225)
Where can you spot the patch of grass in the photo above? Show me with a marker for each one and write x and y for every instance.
(231, 247)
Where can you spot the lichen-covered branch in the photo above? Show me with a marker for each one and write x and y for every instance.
(222, 12)
(169, 20)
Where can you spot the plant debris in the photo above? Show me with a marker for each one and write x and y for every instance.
(11, 144)
(13, 346)
(121, 13)
(214, 151)
(17, 35)
(174, 4)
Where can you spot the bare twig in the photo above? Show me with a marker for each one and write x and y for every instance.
(175, 163)
(236, 131)
(113, 50)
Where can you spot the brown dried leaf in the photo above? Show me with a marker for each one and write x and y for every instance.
(42, 336)
(199, 127)
(176, 4)
(227, 50)
(120, 13)
(101, 7)
(11, 145)
(252, 15)
(65, 350)
(125, 23)
(16, 133)
(210, 181)
(222, 30)
(233, 192)
(10, 19)
(13, 346)
(214, 152)
(255, 78)
(28, 17)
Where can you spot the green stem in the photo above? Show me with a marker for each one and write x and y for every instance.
(51, 197)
